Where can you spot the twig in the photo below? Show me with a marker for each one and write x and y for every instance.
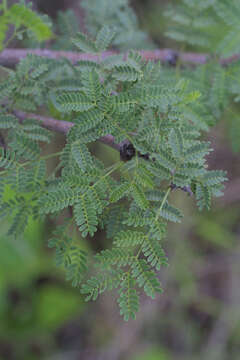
(63, 127)
(186, 189)
(10, 57)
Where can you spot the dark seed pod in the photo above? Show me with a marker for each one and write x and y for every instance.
(186, 189)
(127, 151)
(172, 58)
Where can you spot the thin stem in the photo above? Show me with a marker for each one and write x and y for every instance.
(30, 161)
(162, 204)
(51, 155)
(11, 57)
(112, 169)
(156, 218)
(11, 38)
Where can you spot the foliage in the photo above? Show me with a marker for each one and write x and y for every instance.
(212, 26)
(66, 27)
(142, 104)
(119, 16)
(23, 17)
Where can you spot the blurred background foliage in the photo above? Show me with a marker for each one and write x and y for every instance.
(197, 317)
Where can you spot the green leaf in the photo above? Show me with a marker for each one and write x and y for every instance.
(8, 121)
(203, 196)
(20, 220)
(129, 238)
(154, 252)
(128, 298)
(21, 15)
(122, 103)
(228, 11)
(139, 196)
(119, 192)
(74, 101)
(83, 43)
(230, 44)
(150, 95)
(104, 38)
(85, 216)
(88, 120)
(176, 142)
(171, 213)
(146, 278)
(77, 267)
(126, 73)
(191, 97)
(214, 177)
(196, 152)
(7, 159)
(82, 156)
(165, 160)
(91, 85)
(58, 199)
(96, 285)
(115, 256)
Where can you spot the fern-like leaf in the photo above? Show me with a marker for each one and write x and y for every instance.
(154, 253)
(128, 298)
(146, 278)
(129, 238)
(84, 44)
(96, 285)
(75, 101)
(82, 156)
(203, 196)
(21, 15)
(85, 216)
(104, 38)
(78, 265)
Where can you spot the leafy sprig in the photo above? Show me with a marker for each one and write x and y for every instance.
(156, 122)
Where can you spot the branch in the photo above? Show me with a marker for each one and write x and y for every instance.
(62, 126)
(125, 148)
(10, 57)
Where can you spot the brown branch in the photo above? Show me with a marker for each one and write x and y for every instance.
(125, 148)
(63, 127)
(10, 57)
(46, 122)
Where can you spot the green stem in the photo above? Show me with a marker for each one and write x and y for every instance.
(162, 204)
(29, 162)
(51, 155)
(156, 218)
(10, 39)
(112, 169)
